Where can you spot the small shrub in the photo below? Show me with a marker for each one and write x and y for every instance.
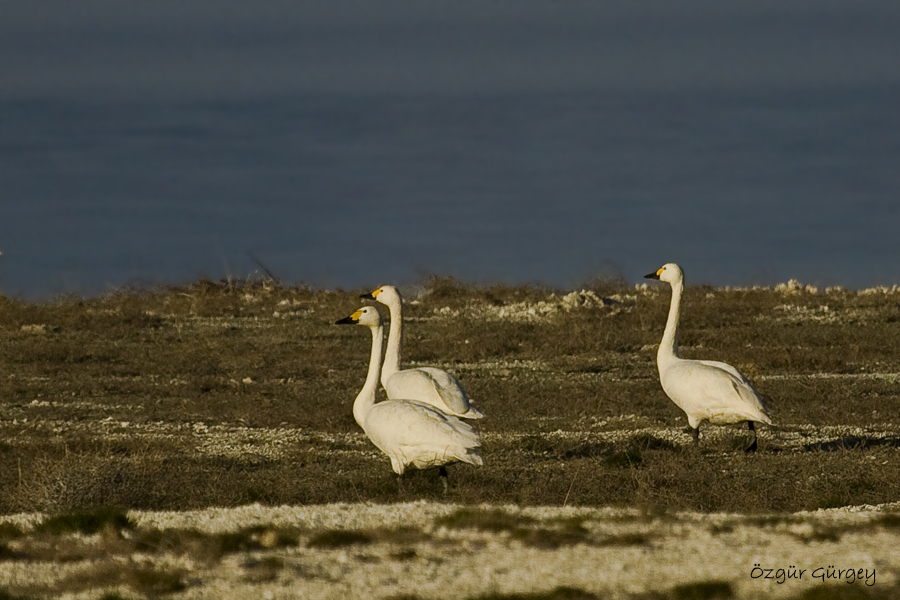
(625, 539)
(7, 554)
(645, 441)
(586, 450)
(153, 582)
(255, 538)
(211, 547)
(771, 520)
(404, 554)
(400, 535)
(721, 528)
(536, 444)
(263, 570)
(483, 520)
(890, 521)
(4, 595)
(632, 457)
(705, 590)
(146, 581)
(551, 539)
(560, 593)
(338, 538)
(10, 531)
(843, 592)
(86, 522)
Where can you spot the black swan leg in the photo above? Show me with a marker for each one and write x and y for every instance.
(444, 478)
(754, 445)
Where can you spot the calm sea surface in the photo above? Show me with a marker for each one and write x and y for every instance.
(548, 142)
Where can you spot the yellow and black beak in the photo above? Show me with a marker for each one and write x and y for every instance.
(351, 320)
(370, 295)
(654, 275)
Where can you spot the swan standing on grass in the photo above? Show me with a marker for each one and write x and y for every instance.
(409, 432)
(706, 390)
(425, 384)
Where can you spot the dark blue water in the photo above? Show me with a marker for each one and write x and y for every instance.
(349, 147)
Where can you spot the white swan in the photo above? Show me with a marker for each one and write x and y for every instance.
(706, 390)
(425, 384)
(409, 432)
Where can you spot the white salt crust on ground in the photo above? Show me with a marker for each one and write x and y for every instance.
(463, 563)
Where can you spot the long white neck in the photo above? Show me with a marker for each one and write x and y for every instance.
(668, 347)
(366, 398)
(395, 334)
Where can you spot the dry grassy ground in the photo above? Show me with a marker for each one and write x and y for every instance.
(233, 394)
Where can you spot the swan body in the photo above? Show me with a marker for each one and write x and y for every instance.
(410, 433)
(706, 390)
(425, 384)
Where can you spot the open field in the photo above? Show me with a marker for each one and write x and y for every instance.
(239, 394)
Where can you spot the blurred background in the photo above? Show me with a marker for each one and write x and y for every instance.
(355, 143)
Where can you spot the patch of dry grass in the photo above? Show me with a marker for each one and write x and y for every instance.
(547, 535)
(559, 593)
(147, 581)
(844, 592)
(227, 393)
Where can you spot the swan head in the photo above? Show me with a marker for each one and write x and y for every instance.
(367, 315)
(386, 294)
(669, 272)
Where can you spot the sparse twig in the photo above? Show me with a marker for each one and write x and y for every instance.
(264, 268)
(356, 491)
(571, 485)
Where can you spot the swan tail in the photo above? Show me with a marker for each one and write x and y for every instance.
(472, 456)
(764, 418)
(760, 412)
(467, 438)
(472, 413)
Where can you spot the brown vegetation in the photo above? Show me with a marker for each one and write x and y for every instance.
(230, 393)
